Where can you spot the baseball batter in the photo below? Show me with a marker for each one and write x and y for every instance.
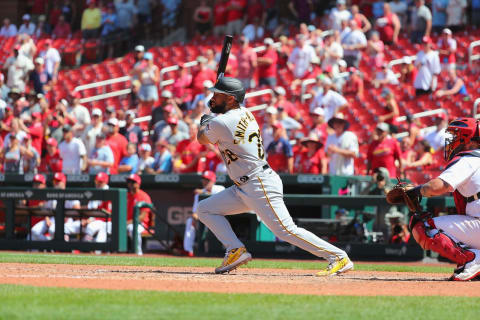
(456, 237)
(257, 187)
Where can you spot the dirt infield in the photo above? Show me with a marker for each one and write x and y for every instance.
(358, 283)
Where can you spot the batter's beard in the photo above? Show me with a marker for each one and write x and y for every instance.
(218, 108)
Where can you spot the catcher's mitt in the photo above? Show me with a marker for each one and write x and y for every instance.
(205, 119)
(408, 194)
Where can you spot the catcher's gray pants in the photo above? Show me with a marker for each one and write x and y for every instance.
(262, 194)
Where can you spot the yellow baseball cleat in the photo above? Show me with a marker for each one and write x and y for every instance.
(337, 267)
(233, 259)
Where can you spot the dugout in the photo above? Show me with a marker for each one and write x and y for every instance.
(312, 201)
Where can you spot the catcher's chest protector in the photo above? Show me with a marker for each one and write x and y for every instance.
(461, 201)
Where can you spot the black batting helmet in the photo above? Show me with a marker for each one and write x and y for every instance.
(230, 86)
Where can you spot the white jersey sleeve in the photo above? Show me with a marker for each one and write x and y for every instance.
(459, 174)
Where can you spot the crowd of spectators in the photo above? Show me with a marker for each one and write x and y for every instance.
(41, 135)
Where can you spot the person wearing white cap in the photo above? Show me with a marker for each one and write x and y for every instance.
(101, 158)
(300, 60)
(131, 130)
(338, 14)
(27, 27)
(341, 147)
(447, 46)
(89, 135)
(267, 65)
(40, 77)
(318, 126)
(205, 96)
(8, 30)
(332, 102)
(145, 160)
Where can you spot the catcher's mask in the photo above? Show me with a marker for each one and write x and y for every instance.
(462, 131)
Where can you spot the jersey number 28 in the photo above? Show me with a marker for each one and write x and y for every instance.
(261, 153)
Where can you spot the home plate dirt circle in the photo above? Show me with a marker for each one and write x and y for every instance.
(243, 280)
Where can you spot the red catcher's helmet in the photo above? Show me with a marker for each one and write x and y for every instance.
(463, 130)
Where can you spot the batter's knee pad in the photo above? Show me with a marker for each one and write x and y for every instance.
(430, 238)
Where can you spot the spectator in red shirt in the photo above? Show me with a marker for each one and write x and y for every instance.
(388, 26)
(267, 65)
(36, 130)
(354, 85)
(220, 18)
(134, 196)
(116, 142)
(313, 160)
(235, 13)
(447, 46)
(188, 153)
(384, 151)
(52, 161)
(247, 63)
(203, 73)
(280, 154)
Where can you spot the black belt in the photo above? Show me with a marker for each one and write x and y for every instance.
(244, 179)
(473, 198)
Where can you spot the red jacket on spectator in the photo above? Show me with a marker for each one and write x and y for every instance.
(383, 154)
(188, 150)
(36, 131)
(312, 164)
(51, 163)
(118, 144)
(268, 71)
(200, 77)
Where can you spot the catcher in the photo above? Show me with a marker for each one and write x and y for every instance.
(455, 237)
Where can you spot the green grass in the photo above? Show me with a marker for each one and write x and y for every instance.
(198, 262)
(25, 302)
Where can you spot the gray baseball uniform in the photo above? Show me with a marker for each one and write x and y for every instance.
(257, 187)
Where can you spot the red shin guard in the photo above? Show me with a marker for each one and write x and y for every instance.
(441, 244)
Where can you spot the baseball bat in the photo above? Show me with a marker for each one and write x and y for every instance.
(222, 64)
